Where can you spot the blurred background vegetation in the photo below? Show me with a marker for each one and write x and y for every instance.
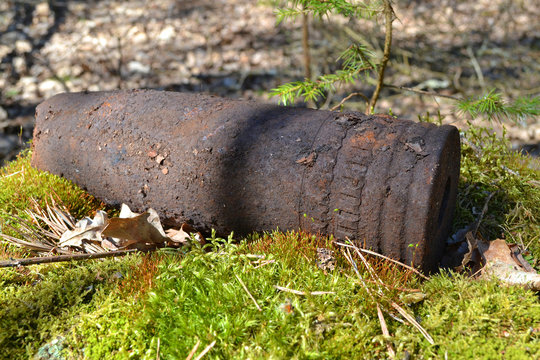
(236, 48)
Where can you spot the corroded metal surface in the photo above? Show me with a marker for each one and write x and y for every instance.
(244, 166)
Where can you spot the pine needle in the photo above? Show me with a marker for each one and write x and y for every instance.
(247, 291)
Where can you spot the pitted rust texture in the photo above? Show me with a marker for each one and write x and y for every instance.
(243, 166)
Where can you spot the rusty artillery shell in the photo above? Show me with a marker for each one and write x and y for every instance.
(232, 165)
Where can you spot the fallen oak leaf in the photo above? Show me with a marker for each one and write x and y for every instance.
(510, 275)
(500, 263)
(86, 231)
(183, 235)
(136, 231)
(518, 257)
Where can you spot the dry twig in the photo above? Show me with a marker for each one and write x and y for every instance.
(422, 92)
(60, 258)
(298, 292)
(409, 318)
(385, 332)
(348, 97)
(194, 350)
(386, 258)
(206, 349)
(247, 291)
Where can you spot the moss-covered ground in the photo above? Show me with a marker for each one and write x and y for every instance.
(161, 305)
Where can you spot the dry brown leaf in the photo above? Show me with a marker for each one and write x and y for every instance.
(500, 263)
(86, 232)
(183, 235)
(135, 230)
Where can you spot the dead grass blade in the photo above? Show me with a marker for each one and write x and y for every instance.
(60, 258)
(411, 319)
(264, 262)
(351, 261)
(365, 251)
(298, 292)
(384, 328)
(206, 349)
(247, 291)
(194, 350)
(30, 236)
(381, 294)
(25, 244)
(371, 272)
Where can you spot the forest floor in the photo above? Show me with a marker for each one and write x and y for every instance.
(268, 296)
(234, 48)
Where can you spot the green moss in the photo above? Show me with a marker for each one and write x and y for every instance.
(199, 298)
(489, 166)
(480, 319)
(44, 301)
(20, 182)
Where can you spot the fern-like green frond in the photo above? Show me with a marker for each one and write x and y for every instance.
(494, 107)
(361, 9)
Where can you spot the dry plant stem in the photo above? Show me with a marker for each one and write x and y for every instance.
(349, 258)
(382, 296)
(413, 322)
(422, 92)
(386, 258)
(157, 349)
(384, 328)
(266, 262)
(247, 291)
(477, 68)
(26, 244)
(482, 214)
(389, 18)
(60, 258)
(206, 349)
(305, 45)
(297, 292)
(348, 97)
(372, 273)
(194, 350)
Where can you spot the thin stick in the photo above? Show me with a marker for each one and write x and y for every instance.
(305, 44)
(297, 292)
(386, 258)
(9, 175)
(192, 352)
(483, 213)
(422, 92)
(348, 97)
(157, 350)
(265, 262)
(372, 273)
(246, 289)
(255, 256)
(60, 258)
(389, 18)
(385, 332)
(413, 322)
(206, 349)
(349, 258)
(476, 67)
